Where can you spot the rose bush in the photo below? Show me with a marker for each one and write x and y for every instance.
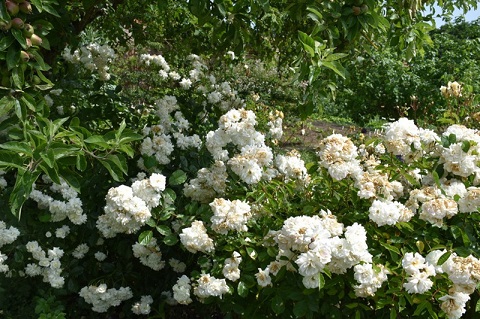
(185, 204)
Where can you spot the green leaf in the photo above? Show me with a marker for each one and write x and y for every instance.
(3, 11)
(114, 171)
(29, 101)
(301, 308)
(13, 57)
(51, 171)
(390, 247)
(393, 313)
(21, 190)
(169, 195)
(97, 140)
(129, 136)
(164, 230)
(38, 4)
(277, 304)
(242, 289)
(6, 42)
(178, 177)
(48, 157)
(321, 281)
(443, 258)
(50, 9)
(308, 43)
(81, 162)
(18, 77)
(6, 104)
(170, 240)
(477, 306)
(19, 37)
(336, 67)
(19, 147)
(466, 146)
(145, 237)
(9, 159)
(39, 59)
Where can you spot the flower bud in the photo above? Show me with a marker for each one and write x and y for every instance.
(36, 40)
(17, 23)
(26, 7)
(12, 7)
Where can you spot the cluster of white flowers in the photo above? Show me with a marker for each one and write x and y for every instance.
(70, 206)
(464, 272)
(292, 167)
(100, 256)
(384, 212)
(149, 254)
(143, 306)
(7, 236)
(158, 138)
(207, 286)
(419, 271)
(80, 251)
(338, 155)
(48, 266)
(237, 128)
(436, 204)
(155, 59)
(195, 238)
(230, 267)
(314, 243)
(453, 89)
(209, 183)
(102, 298)
(405, 139)
(128, 208)
(275, 125)
(463, 155)
(370, 278)
(62, 232)
(93, 57)
(229, 215)
(181, 291)
(177, 265)
(374, 184)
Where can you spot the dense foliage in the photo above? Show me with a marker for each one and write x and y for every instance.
(384, 84)
(140, 173)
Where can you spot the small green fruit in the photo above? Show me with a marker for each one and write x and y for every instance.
(12, 8)
(5, 81)
(18, 23)
(26, 7)
(28, 30)
(5, 25)
(36, 80)
(36, 40)
(24, 56)
(356, 10)
(29, 42)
